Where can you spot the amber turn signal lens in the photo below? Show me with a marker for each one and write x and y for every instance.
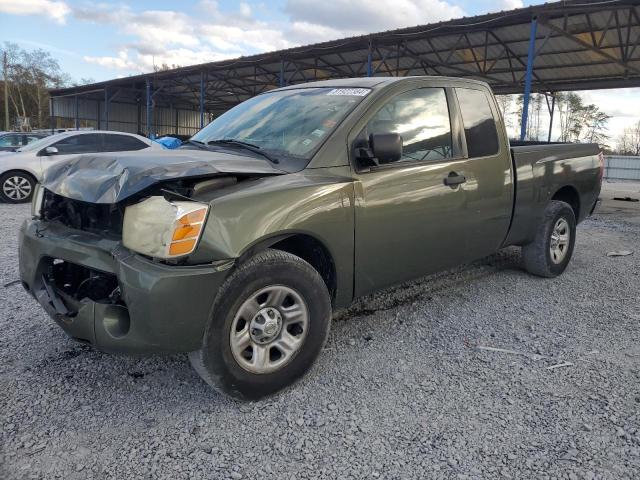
(186, 231)
(193, 217)
(182, 247)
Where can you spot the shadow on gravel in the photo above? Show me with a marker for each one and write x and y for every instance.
(422, 288)
(172, 377)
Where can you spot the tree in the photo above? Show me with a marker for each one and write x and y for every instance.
(533, 114)
(570, 107)
(595, 123)
(29, 75)
(580, 122)
(165, 67)
(629, 142)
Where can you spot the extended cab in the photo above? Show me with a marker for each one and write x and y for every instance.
(237, 247)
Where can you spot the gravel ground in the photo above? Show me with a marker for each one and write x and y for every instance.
(402, 391)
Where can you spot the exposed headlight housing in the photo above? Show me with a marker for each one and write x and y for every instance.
(36, 201)
(162, 229)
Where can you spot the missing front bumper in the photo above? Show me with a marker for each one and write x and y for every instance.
(158, 308)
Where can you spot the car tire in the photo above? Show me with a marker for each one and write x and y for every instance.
(550, 252)
(16, 187)
(243, 354)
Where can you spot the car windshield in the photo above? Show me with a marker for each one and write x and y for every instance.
(287, 125)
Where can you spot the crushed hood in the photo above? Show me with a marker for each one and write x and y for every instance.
(112, 177)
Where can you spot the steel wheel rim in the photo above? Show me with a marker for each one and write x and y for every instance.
(560, 237)
(16, 187)
(269, 329)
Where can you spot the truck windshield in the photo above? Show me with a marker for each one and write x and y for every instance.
(288, 126)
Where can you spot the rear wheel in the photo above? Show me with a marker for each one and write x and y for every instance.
(16, 187)
(270, 321)
(551, 250)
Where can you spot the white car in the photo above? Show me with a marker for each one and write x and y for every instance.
(21, 170)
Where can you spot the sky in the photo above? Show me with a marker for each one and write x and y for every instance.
(104, 40)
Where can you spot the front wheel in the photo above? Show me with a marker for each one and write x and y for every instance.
(270, 321)
(550, 252)
(16, 187)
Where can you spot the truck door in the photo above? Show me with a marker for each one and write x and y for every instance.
(437, 206)
(408, 222)
(488, 188)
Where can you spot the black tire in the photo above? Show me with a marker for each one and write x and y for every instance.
(537, 256)
(216, 363)
(15, 178)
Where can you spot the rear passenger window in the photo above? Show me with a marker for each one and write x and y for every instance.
(121, 143)
(479, 124)
(421, 117)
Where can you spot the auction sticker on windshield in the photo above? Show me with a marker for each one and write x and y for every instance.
(357, 92)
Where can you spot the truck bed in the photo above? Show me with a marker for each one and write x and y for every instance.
(540, 170)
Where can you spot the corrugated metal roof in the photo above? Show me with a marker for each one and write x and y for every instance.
(579, 45)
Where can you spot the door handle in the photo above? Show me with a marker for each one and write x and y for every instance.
(453, 180)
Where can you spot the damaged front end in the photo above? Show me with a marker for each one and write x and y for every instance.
(116, 274)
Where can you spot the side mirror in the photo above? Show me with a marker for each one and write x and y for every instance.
(51, 151)
(386, 147)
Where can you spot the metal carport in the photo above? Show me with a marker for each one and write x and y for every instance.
(560, 46)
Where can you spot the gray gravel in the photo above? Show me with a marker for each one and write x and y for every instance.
(402, 390)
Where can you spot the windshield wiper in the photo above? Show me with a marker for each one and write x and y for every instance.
(245, 145)
(197, 143)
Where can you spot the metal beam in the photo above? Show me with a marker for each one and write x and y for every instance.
(590, 47)
(369, 60)
(527, 78)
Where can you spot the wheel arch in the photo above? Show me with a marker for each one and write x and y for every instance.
(569, 194)
(303, 245)
(20, 170)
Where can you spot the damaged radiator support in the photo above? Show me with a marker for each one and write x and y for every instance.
(92, 217)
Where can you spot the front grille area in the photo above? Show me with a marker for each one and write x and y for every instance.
(81, 282)
(90, 217)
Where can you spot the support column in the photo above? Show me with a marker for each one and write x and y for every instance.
(553, 107)
(52, 115)
(370, 60)
(76, 114)
(527, 78)
(282, 84)
(201, 100)
(149, 109)
(138, 116)
(106, 108)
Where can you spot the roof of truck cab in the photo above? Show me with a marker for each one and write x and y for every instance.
(373, 82)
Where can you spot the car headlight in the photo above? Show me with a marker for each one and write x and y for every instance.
(162, 229)
(36, 201)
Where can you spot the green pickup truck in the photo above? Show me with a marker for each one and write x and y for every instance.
(237, 247)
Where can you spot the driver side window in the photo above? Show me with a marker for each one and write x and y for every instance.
(421, 117)
(86, 143)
